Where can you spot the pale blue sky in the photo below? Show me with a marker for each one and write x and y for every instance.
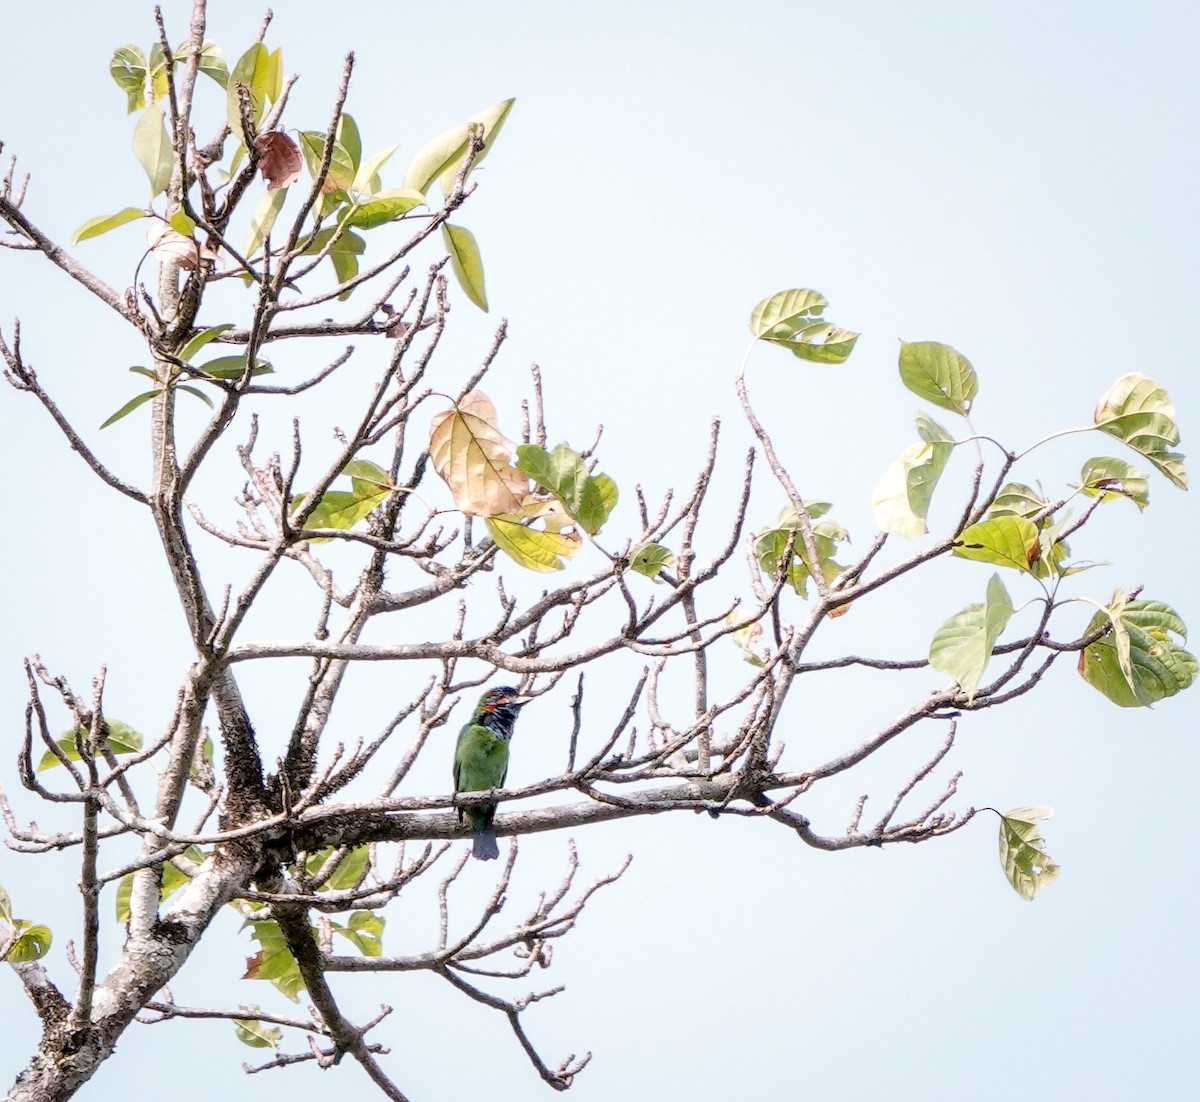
(1018, 180)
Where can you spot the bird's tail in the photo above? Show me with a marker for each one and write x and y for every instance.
(485, 846)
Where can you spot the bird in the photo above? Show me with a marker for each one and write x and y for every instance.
(481, 762)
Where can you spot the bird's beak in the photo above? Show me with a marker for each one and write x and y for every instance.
(520, 701)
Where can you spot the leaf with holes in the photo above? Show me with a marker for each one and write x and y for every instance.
(1023, 855)
(1109, 479)
(32, 942)
(1138, 411)
(1138, 662)
(792, 320)
(771, 546)
(651, 559)
(533, 548)
(256, 1033)
(364, 931)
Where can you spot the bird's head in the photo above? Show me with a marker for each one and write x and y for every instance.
(498, 707)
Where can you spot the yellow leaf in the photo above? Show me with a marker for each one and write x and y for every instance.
(531, 547)
(474, 458)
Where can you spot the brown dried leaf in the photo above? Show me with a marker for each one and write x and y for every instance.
(474, 458)
(172, 247)
(279, 159)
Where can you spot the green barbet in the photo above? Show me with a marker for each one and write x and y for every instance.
(481, 761)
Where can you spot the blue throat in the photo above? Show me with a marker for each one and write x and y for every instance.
(500, 721)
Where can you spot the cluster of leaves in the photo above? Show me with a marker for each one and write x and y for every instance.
(363, 929)
(370, 487)
(273, 961)
(475, 460)
(21, 941)
(218, 371)
(1135, 659)
(352, 199)
(1134, 656)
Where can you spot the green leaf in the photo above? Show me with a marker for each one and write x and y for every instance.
(5, 906)
(367, 477)
(194, 344)
(370, 484)
(770, 546)
(131, 405)
(345, 254)
(158, 72)
(263, 221)
(1023, 855)
(119, 738)
(788, 308)
(348, 137)
(962, 646)
(343, 509)
(938, 374)
(384, 206)
(792, 320)
(466, 262)
(197, 394)
(531, 547)
(94, 227)
(1139, 412)
(746, 634)
(364, 931)
(588, 499)
(363, 178)
(172, 880)
(651, 559)
(901, 500)
(128, 69)
(233, 367)
(1138, 663)
(182, 222)
(274, 962)
(257, 1034)
(597, 501)
(1015, 499)
(1110, 479)
(152, 147)
(1018, 500)
(341, 163)
(349, 872)
(31, 943)
(441, 159)
(259, 70)
(212, 61)
(1003, 541)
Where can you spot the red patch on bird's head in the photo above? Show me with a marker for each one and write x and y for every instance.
(496, 698)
